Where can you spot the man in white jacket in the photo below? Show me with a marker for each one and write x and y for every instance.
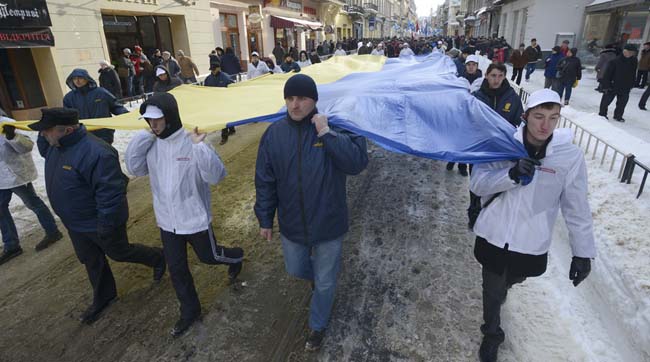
(255, 67)
(521, 203)
(17, 172)
(181, 168)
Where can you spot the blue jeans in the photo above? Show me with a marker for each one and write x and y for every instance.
(34, 203)
(319, 263)
(564, 88)
(530, 68)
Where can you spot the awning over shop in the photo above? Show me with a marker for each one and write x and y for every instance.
(284, 22)
(481, 11)
(602, 5)
(26, 38)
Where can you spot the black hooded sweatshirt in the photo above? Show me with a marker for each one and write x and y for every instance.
(167, 85)
(167, 104)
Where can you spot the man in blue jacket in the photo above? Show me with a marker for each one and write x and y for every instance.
(301, 170)
(87, 190)
(91, 101)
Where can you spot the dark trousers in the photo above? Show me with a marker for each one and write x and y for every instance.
(622, 97)
(644, 97)
(530, 68)
(641, 78)
(208, 252)
(495, 291)
(516, 73)
(461, 166)
(92, 251)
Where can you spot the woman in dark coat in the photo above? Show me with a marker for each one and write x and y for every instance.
(109, 80)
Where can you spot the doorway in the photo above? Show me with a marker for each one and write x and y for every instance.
(20, 86)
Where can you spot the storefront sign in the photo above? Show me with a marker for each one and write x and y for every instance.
(143, 2)
(24, 14)
(294, 5)
(26, 38)
(254, 18)
(308, 10)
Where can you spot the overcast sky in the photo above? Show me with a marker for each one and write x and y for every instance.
(424, 6)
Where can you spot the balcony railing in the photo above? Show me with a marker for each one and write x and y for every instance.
(354, 9)
(370, 7)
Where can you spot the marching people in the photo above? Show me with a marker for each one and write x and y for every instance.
(217, 78)
(305, 184)
(550, 68)
(164, 80)
(339, 50)
(230, 63)
(406, 51)
(379, 50)
(518, 59)
(255, 67)
(528, 193)
(304, 60)
(289, 65)
(109, 80)
(534, 53)
(92, 101)
(273, 68)
(313, 57)
(181, 167)
(618, 81)
(278, 52)
(87, 190)
(606, 55)
(569, 72)
(18, 172)
(189, 70)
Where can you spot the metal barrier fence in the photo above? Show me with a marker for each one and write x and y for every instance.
(628, 161)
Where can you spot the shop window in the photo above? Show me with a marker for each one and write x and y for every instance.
(19, 78)
(150, 32)
(230, 32)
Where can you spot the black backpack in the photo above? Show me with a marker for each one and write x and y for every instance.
(476, 207)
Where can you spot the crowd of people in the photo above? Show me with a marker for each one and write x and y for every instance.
(87, 189)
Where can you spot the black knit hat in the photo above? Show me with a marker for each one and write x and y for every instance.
(57, 116)
(301, 85)
(631, 47)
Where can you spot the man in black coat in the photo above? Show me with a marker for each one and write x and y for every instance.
(534, 54)
(619, 79)
(87, 190)
(109, 80)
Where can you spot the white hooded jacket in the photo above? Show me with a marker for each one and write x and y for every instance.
(254, 72)
(16, 163)
(523, 216)
(180, 173)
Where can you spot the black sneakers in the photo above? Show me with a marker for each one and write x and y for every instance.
(48, 240)
(603, 115)
(620, 119)
(10, 254)
(314, 340)
(462, 172)
(450, 166)
(182, 325)
(489, 350)
(94, 311)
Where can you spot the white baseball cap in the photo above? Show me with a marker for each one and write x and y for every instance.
(472, 58)
(543, 96)
(152, 112)
(160, 71)
(255, 54)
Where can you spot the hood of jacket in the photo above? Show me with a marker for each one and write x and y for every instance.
(168, 105)
(81, 73)
(169, 77)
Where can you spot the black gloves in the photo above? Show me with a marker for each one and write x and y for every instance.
(524, 170)
(9, 131)
(580, 268)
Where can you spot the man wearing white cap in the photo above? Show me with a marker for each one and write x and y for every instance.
(379, 50)
(255, 67)
(164, 80)
(181, 168)
(406, 51)
(528, 193)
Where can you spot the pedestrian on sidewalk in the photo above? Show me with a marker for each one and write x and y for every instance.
(306, 183)
(518, 60)
(181, 167)
(644, 66)
(109, 80)
(606, 55)
(126, 71)
(528, 193)
(564, 48)
(644, 99)
(87, 190)
(189, 70)
(18, 172)
(92, 101)
(569, 72)
(618, 81)
(550, 67)
(534, 54)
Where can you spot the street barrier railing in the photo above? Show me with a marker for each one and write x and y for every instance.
(628, 161)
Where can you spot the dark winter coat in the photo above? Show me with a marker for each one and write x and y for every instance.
(503, 100)
(569, 69)
(278, 53)
(125, 67)
(303, 177)
(84, 182)
(606, 55)
(109, 80)
(472, 77)
(364, 50)
(92, 102)
(230, 64)
(550, 66)
(220, 80)
(288, 67)
(172, 67)
(167, 85)
(533, 54)
(644, 63)
(620, 75)
(518, 59)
